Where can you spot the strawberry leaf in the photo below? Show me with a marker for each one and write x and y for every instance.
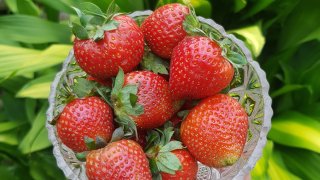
(183, 114)
(79, 31)
(91, 9)
(172, 145)
(133, 99)
(110, 25)
(113, 8)
(90, 143)
(118, 83)
(163, 168)
(99, 34)
(100, 142)
(82, 156)
(95, 20)
(168, 133)
(82, 87)
(117, 134)
(169, 160)
(153, 166)
(154, 63)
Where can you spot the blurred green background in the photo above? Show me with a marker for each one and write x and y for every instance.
(283, 35)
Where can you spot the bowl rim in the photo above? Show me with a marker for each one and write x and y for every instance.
(268, 112)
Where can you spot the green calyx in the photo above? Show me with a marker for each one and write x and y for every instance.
(93, 22)
(192, 26)
(93, 144)
(124, 101)
(154, 63)
(158, 150)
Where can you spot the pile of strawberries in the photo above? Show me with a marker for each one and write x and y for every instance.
(151, 104)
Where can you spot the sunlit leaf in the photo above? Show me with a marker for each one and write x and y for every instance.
(253, 37)
(9, 125)
(29, 29)
(297, 130)
(21, 60)
(9, 137)
(27, 7)
(260, 171)
(38, 88)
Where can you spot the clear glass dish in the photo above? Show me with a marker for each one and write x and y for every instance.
(249, 87)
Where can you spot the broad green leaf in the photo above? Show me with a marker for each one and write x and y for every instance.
(27, 7)
(313, 110)
(90, 8)
(130, 6)
(253, 38)
(13, 84)
(9, 137)
(287, 89)
(202, 7)
(277, 169)
(30, 107)
(300, 25)
(10, 105)
(59, 5)
(21, 60)
(29, 29)
(260, 171)
(239, 5)
(169, 160)
(10, 125)
(79, 31)
(12, 5)
(38, 88)
(37, 137)
(172, 145)
(302, 162)
(297, 130)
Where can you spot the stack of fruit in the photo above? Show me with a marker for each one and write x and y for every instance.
(150, 105)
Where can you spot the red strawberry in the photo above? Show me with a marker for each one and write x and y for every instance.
(119, 160)
(88, 117)
(104, 44)
(198, 69)
(152, 105)
(215, 131)
(189, 167)
(163, 29)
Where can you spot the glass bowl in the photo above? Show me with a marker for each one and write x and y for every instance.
(249, 87)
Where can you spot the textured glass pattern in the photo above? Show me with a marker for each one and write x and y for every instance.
(249, 87)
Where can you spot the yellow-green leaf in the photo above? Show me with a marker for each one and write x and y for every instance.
(18, 61)
(260, 171)
(38, 88)
(297, 130)
(253, 38)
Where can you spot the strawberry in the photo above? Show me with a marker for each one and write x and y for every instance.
(84, 119)
(215, 131)
(163, 29)
(122, 159)
(142, 97)
(105, 42)
(167, 157)
(198, 69)
(189, 166)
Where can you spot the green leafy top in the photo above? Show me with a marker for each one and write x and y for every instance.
(93, 22)
(124, 101)
(158, 150)
(192, 26)
(154, 63)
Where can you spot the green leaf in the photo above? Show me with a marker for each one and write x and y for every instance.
(82, 87)
(253, 38)
(10, 125)
(287, 88)
(12, 5)
(260, 171)
(169, 160)
(258, 6)
(27, 7)
(21, 60)
(302, 162)
(91, 9)
(239, 5)
(99, 34)
(90, 143)
(163, 168)
(37, 137)
(300, 25)
(118, 83)
(202, 7)
(133, 99)
(172, 145)
(79, 31)
(59, 5)
(9, 137)
(38, 88)
(130, 6)
(277, 169)
(296, 130)
(93, 20)
(110, 25)
(117, 134)
(183, 114)
(112, 8)
(30, 107)
(154, 63)
(153, 166)
(18, 28)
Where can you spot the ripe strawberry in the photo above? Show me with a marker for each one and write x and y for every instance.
(215, 131)
(189, 167)
(89, 117)
(198, 69)
(145, 98)
(163, 29)
(106, 43)
(122, 159)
